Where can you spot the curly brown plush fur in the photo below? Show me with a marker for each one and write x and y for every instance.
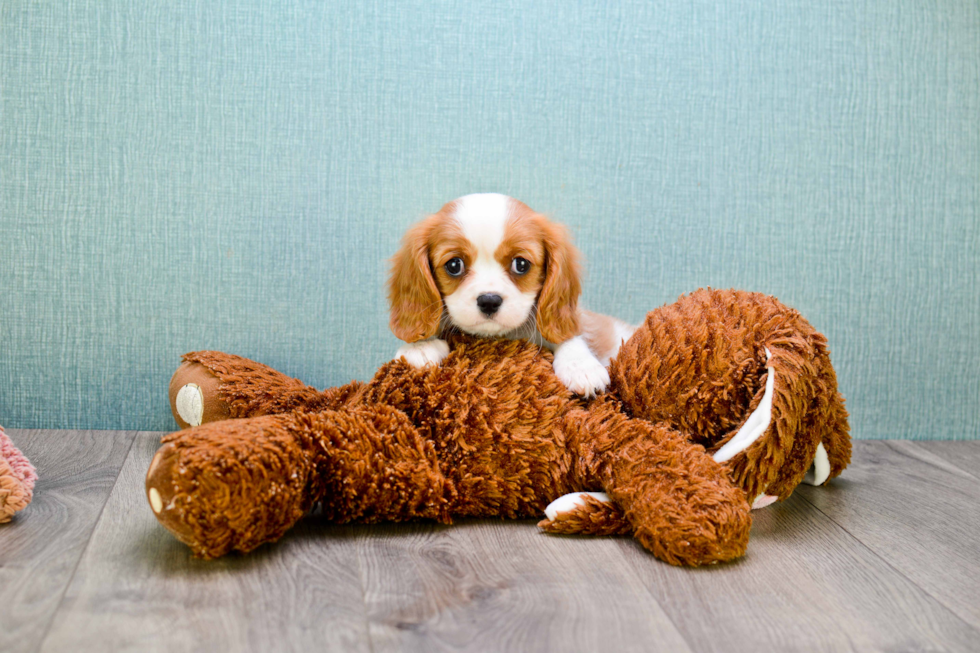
(17, 477)
(492, 432)
(595, 517)
(700, 366)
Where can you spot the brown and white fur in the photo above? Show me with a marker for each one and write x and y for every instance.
(487, 265)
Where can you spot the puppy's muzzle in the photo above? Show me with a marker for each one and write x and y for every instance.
(489, 303)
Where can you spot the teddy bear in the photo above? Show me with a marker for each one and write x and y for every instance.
(17, 478)
(719, 401)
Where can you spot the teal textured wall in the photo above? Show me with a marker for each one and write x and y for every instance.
(233, 175)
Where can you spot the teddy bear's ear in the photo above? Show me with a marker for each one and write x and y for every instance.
(416, 304)
(558, 300)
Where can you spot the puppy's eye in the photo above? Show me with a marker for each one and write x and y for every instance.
(454, 267)
(520, 266)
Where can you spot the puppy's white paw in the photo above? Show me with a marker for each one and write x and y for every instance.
(424, 352)
(583, 375)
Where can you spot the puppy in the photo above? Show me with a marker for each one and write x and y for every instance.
(488, 265)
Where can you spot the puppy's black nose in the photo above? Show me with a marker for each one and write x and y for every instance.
(489, 303)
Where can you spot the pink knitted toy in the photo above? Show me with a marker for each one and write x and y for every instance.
(17, 477)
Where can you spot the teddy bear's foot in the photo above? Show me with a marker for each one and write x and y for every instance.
(220, 487)
(818, 474)
(764, 500)
(195, 398)
(820, 469)
(584, 513)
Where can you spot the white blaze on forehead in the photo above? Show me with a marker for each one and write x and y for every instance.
(483, 217)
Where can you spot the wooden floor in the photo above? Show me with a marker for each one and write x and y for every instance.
(885, 558)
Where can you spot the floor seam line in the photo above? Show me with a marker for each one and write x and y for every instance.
(360, 578)
(889, 564)
(88, 543)
(632, 567)
(918, 445)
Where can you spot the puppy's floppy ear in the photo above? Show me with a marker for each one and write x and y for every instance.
(416, 305)
(558, 300)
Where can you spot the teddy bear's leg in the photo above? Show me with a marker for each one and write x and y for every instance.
(210, 386)
(829, 415)
(681, 504)
(233, 485)
(212, 488)
(745, 376)
(798, 430)
(826, 424)
(755, 426)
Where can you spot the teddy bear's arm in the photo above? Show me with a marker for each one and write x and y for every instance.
(680, 503)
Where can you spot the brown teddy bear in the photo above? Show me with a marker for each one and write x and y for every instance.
(718, 400)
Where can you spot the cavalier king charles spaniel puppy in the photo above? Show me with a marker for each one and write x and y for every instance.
(488, 265)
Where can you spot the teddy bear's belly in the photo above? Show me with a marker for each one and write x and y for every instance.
(507, 472)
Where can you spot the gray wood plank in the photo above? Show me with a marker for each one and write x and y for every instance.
(964, 454)
(40, 548)
(805, 585)
(917, 511)
(505, 586)
(138, 588)
(884, 558)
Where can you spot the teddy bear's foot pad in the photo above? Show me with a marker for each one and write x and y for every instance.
(584, 513)
(190, 404)
(194, 396)
(820, 470)
(763, 500)
(571, 501)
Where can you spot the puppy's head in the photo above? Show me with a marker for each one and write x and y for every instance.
(495, 267)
